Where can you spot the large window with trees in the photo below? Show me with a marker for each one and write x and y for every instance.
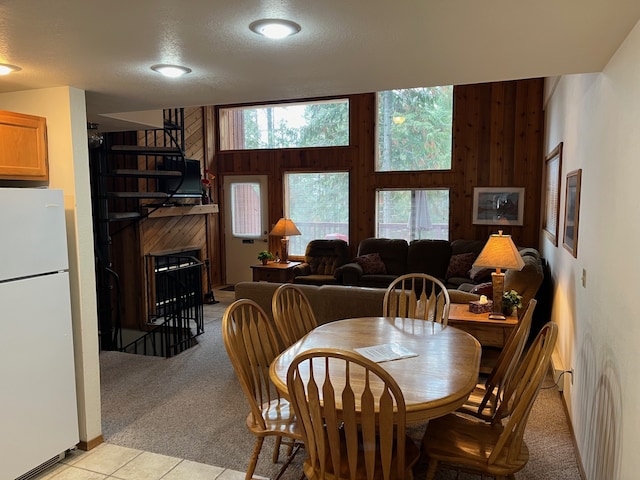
(415, 129)
(412, 214)
(323, 123)
(318, 203)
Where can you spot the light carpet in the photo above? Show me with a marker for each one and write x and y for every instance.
(191, 406)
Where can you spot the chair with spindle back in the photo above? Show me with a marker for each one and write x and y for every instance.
(352, 429)
(292, 313)
(485, 399)
(417, 295)
(252, 345)
(497, 448)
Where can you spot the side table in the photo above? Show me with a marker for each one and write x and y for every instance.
(492, 334)
(274, 272)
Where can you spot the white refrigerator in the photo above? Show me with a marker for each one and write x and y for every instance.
(38, 411)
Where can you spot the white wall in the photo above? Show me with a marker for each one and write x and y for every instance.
(65, 111)
(597, 116)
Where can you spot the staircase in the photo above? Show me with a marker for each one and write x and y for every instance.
(132, 175)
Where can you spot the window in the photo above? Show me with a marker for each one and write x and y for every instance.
(414, 129)
(413, 214)
(288, 125)
(318, 203)
(246, 210)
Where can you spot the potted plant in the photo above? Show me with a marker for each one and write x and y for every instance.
(264, 256)
(511, 302)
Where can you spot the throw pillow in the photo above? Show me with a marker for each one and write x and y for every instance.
(459, 265)
(371, 264)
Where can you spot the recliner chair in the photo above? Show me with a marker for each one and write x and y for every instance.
(321, 259)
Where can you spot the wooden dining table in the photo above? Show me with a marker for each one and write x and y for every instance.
(436, 380)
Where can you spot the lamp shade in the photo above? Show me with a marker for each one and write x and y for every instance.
(499, 252)
(284, 228)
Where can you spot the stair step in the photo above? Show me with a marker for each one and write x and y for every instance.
(161, 195)
(146, 150)
(127, 172)
(113, 216)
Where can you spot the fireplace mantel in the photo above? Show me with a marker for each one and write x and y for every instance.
(184, 210)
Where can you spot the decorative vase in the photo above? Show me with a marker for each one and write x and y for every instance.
(510, 310)
(264, 261)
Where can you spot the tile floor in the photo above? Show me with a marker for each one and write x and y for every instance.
(108, 461)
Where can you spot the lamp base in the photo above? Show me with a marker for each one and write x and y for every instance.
(284, 243)
(497, 280)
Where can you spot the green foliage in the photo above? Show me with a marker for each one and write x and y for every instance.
(512, 299)
(317, 124)
(420, 138)
(265, 255)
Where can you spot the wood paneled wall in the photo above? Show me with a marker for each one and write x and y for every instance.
(497, 141)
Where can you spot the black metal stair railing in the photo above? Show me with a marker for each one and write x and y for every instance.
(177, 315)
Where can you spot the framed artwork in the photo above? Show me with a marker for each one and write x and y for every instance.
(553, 167)
(572, 211)
(498, 206)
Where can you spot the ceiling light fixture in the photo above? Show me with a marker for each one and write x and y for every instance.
(172, 71)
(6, 69)
(275, 28)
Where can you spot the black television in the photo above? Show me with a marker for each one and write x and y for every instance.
(191, 186)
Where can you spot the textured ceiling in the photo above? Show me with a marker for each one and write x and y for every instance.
(106, 48)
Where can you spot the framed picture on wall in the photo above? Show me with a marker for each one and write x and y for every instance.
(572, 211)
(498, 206)
(553, 167)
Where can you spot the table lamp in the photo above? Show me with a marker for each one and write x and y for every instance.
(499, 252)
(284, 228)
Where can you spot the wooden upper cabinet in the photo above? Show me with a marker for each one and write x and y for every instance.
(23, 147)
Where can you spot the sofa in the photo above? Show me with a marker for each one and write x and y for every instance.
(329, 302)
(380, 260)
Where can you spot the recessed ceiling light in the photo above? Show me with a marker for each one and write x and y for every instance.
(6, 69)
(275, 28)
(172, 71)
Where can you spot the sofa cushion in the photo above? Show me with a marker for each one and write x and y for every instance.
(460, 265)
(392, 251)
(462, 245)
(371, 264)
(429, 256)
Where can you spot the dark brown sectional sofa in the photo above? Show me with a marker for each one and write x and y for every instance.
(450, 262)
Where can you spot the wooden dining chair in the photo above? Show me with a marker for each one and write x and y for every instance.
(252, 345)
(485, 398)
(292, 313)
(351, 429)
(417, 295)
(495, 449)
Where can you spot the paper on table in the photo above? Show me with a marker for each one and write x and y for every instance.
(385, 352)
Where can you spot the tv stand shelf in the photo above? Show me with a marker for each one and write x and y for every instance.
(183, 210)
